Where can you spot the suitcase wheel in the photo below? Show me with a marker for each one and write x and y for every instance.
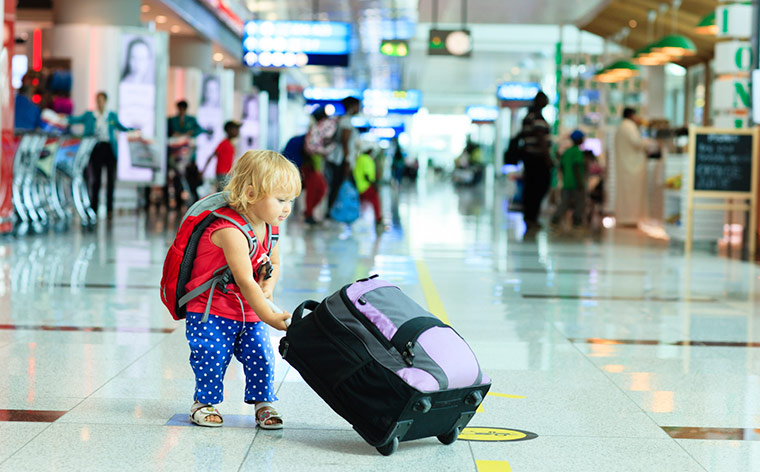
(449, 437)
(474, 399)
(389, 448)
(423, 405)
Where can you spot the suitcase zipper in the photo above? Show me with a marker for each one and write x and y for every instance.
(363, 319)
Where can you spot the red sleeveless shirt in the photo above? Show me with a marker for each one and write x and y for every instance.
(209, 258)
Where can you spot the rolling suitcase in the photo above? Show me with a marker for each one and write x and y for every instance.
(386, 365)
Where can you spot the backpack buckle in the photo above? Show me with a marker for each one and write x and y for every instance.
(408, 354)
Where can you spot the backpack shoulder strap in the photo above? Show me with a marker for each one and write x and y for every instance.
(246, 229)
(273, 236)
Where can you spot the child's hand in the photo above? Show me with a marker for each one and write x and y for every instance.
(278, 320)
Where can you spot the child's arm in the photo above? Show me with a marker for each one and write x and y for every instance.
(208, 162)
(235, 247)
(267, 286)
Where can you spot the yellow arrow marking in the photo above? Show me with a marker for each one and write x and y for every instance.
(493, 466)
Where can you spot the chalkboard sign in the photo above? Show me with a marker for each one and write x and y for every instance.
(723, 163)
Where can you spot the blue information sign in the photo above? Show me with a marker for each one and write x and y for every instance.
(518, 91)
(296, 43)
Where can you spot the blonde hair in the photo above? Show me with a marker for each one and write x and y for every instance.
(264, 172)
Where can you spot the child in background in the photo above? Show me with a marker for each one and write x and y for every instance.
(365, 179)
(262, 189)
(572, 165)
(224, 154)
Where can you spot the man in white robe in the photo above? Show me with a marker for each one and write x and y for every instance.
(630, 172)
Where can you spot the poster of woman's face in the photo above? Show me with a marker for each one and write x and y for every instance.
(249, 131)
(211, 92)
(138, 155)
(138, 59)
(210, 118)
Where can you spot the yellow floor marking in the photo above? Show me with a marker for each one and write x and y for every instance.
(433, 299)
(504, 395)
(493, 466)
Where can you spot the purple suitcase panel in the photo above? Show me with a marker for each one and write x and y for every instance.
(419, 379)
(378, 318)
(451, 353)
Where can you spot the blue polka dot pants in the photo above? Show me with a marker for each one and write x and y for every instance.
(212, 345)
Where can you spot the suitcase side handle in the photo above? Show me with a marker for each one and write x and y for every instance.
(310, 305)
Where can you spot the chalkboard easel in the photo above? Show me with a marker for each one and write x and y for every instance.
(723, 164)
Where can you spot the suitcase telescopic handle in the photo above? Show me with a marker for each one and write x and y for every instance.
(277, 309)
(310, 305)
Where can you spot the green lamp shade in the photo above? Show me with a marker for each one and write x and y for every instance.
(676, 46)
(707, 26)
(625, 68)
(648, 57)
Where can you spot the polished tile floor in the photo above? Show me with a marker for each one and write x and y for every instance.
(608, 352)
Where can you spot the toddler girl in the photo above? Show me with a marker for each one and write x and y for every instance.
(261, 192)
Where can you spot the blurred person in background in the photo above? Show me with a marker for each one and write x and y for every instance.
(224, 154)
(182, 129)
(320, 142)
(537, 160)
(341, 161)
(103, 125)
(365, 177)
(573, 171)
(630, 171)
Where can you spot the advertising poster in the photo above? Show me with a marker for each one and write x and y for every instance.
(250, 124)
(210, 117)
(6, 117)
(138, 156)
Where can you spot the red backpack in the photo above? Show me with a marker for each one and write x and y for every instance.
(178, 265)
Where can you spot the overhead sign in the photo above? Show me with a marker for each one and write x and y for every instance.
(450, 43)
(482, 114)
(296, 43)
(518, 91)
(394, 47)
(376, 102)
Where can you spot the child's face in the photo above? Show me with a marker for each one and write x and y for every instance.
(273, 209)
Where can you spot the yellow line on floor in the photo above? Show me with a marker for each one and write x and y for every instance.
(433, 299)
(504, 395)
(493, 466)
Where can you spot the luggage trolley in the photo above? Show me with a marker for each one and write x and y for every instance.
(65, 163)
(24, 167)
(44, 190)
(79, 190)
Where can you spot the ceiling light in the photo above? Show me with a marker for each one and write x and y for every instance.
(145, 8)
(161, 19)
(707, 26)
(175, 29)
(218, 57)
(633, 23)
(676, 46)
